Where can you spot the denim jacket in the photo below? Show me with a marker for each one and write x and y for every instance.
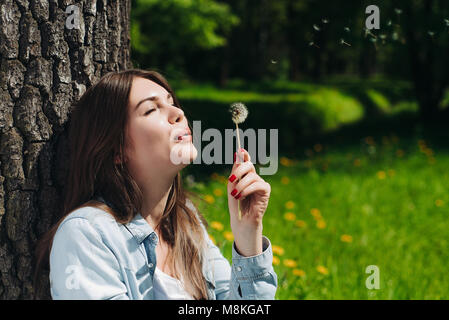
(95, 257)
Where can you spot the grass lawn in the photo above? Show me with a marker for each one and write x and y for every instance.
(335, 211)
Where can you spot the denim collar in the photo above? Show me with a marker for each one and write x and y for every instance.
(138, 226)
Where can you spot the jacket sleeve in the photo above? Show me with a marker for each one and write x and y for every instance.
(82, 266)
(248, 278)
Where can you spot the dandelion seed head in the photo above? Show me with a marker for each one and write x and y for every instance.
(239, 112)
(347, 29)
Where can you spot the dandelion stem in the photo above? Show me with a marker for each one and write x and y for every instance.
(238, 154)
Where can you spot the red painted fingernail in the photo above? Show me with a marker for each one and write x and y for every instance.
(233, 193)
(232, 178)
(238, 196)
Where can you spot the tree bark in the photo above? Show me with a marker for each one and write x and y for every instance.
(45, 67)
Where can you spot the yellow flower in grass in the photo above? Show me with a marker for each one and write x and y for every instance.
(214, 176)
(357, 162)
(439, 203)
(289, 216)
(289, 263)
(209, 199)
(300, 223)
(216, 225)
(218, 192)
(321, 224)
(370, 141)
(381, 175)
(277, 250)
(285, 161)
(228, 235)
(223, 179)
(285, 180)
(400, 153)
(429, 152)
(346, 238)
(299, 272)
(276, 261)
(290, 204)
(316, 213)
(213, 239)
(322, 270)
(318, 147)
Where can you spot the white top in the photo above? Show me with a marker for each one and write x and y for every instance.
(168, 288)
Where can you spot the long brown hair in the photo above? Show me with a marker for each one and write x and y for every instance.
(96, 138)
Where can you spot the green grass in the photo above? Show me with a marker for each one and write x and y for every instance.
(394, 204)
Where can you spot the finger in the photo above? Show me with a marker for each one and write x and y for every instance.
(242, 184)
(258, 186)
(239, 172)
(242, 156)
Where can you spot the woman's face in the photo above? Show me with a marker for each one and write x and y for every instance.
(159, 140)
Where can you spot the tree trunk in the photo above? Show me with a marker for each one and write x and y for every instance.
(45, 66)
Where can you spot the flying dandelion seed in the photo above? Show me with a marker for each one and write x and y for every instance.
(369, 33)
(343, 42)
(325, 21)
(312, 44)
(398, 11)
(431, 33)
(389, 23)
(446, 21)
(273, 61)
(347, 29)
(316, 27)
(383, 37)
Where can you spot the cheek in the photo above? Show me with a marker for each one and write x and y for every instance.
(148, 140)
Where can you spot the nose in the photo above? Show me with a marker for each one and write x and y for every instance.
(176, 115)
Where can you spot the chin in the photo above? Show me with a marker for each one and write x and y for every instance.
(182, 155)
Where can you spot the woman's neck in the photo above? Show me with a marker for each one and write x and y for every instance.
(155, 199)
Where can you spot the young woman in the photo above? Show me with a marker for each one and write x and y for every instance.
(128, 230)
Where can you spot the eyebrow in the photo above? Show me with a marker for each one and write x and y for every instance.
(152, 98)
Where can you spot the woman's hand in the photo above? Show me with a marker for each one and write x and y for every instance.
(246, 186)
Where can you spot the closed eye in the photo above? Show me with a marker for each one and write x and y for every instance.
(148, 112)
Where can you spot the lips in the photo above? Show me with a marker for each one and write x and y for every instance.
(181, 134)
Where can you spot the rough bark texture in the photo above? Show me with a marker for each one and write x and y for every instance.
(45, 66)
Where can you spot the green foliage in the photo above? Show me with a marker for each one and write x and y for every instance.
(300, 110)
(167, 29)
